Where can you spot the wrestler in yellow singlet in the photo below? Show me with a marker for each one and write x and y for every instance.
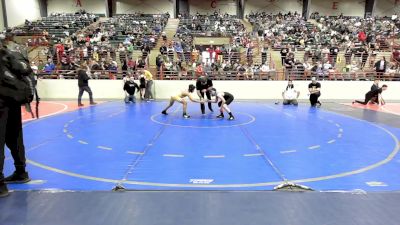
(181, 99)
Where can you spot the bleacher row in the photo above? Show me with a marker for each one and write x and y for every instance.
(57, 26)
(143, 29)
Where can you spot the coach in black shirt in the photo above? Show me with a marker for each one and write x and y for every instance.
(130, 88)
(203, 86)
(83, 83)
(370, 94)
(315, 91)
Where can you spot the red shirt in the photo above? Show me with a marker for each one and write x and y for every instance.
(362, 36)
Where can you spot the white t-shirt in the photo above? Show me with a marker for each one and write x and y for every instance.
(264, 68)
(290, 94)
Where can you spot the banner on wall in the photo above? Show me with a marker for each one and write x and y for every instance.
(335, 5)
(78, 3)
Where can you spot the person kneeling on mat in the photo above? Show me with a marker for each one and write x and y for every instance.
(223, 99)
(371, 94)
(130, 89)
(180, 98)
(290, 95)
(315, 92)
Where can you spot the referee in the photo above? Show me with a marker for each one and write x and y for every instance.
(203, 87)
(371, 94)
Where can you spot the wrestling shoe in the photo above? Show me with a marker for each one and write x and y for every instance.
(220, 116)
(319, 104)
(80, 105)
(231, 118)
(164, 112)
(3, 190)
(93, 103)
(17, 178)
(186, 116)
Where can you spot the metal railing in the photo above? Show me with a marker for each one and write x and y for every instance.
(389, 75)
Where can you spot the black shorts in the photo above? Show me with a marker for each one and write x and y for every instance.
(228, 101)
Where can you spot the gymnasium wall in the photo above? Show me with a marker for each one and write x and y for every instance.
(1, 17)
(145, 6)
(112, 89)
(19, 10)
(69, 6)
(273, 7)
(387, 7)
(336, 7)
(207, 6)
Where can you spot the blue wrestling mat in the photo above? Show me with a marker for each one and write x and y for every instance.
(134, 146)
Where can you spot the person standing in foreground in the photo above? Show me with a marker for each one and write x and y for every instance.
(223, 99)
(16, 88)
(203, 87)
(315, 91)
(370, 94)
(130, 88)
(83, 83)
(149, 85)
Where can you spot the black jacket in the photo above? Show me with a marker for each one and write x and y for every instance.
(83, 78)
(16, 77)
(377, 66)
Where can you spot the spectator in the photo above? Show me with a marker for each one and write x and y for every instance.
(149, 85)
(159, 61)
(284, 52)
(289, 63)
(200, 70)
(381, 66)
(49, 67)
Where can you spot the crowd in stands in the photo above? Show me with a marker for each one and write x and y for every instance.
(359, 40)
(280, 29)
(215, 25)
(188, 60)
(55, 27)
(330, 45)
(221, 62)
(103, 45)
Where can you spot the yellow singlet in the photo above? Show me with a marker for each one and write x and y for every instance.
(179, 97)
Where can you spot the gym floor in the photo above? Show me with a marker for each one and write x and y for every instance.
(77, 155)
(336, 147)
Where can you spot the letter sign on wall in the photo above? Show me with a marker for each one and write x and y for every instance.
(78, 3)
(335, 5)
(214, 4)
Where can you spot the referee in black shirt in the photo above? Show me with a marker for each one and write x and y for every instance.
(371, 94)
(204, 86)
